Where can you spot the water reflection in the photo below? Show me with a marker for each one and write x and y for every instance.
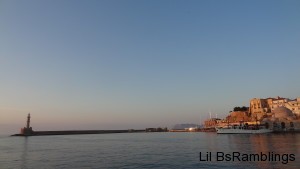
(280, 144)
(24, 154)
(144, 150)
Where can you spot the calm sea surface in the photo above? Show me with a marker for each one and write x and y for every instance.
(144, 150)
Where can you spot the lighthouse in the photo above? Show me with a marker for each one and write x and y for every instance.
(27, 131)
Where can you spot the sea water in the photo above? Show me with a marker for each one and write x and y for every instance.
(150, 150)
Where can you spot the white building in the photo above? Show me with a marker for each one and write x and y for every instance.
(294, 106)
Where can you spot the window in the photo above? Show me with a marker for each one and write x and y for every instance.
(267, 125)
(282, 125)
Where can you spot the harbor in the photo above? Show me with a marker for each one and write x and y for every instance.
(279, 115)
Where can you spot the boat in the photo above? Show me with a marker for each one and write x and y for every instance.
(243, 129)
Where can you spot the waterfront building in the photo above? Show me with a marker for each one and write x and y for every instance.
(262, 108)
(282, 119)
(278, 102)
(212, 122)
(259, 108)
(294, 106)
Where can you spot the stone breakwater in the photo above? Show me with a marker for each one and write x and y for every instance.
(73, 132)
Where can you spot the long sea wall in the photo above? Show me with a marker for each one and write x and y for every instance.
(73, 132)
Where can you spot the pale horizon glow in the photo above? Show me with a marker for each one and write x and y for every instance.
(136, 64)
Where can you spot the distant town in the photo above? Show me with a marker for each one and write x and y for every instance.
(278, 114)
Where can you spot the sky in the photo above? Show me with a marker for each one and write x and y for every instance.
(122, 64)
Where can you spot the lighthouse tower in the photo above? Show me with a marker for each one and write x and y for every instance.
(27, 131)
(28, 121)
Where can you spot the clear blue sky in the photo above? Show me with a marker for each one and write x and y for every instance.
(121, 64)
